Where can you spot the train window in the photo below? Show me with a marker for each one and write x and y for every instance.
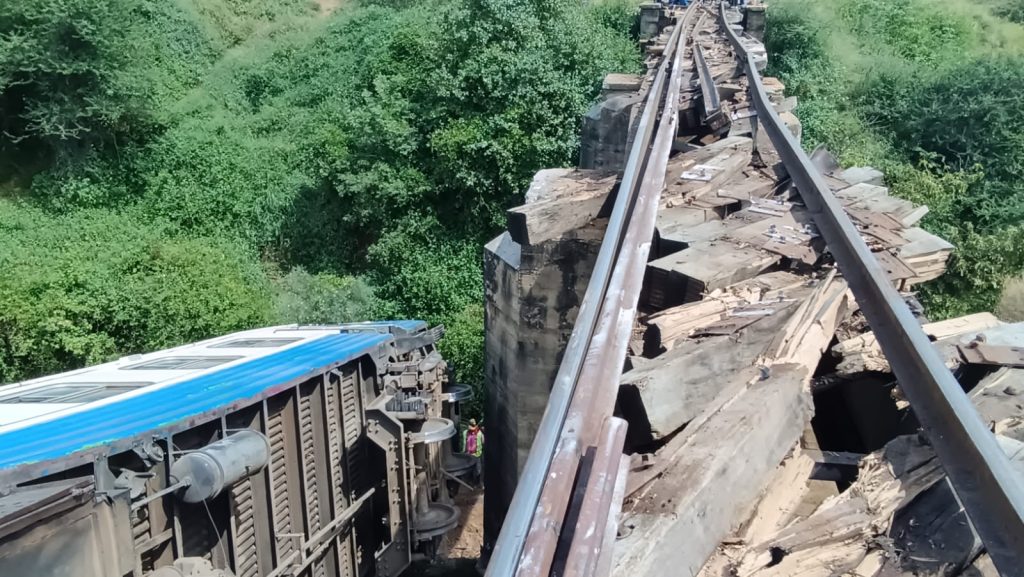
(72, 393)
(180, 363)
(254, 343)
(105, 392)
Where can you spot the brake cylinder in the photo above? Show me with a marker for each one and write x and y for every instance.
(208, 471)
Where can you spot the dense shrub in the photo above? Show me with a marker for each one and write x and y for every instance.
(382, 142)
(82, 289)
(462, 348)
(1012, 10)
(304, 298)
(970, 115)
(67, 83)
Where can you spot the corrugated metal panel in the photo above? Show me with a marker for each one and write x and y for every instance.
(279, 485)
(307, 442)
(245, 539)
(120, 421)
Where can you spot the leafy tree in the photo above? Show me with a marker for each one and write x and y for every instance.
(383, 142)
(304, 298)
(462, 347)
(66, 78)
(83, 289)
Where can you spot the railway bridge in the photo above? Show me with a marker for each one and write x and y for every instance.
(694, 341)
(703, 358)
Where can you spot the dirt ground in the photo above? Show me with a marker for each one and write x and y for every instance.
(464, 541)
(460, 549)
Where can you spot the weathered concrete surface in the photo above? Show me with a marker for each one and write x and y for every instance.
(605, 134)
(532, 296)
(650, 19)
(753, 21)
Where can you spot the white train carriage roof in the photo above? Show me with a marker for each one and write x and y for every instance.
(105, 408)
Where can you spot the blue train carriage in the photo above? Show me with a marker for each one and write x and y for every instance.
(317, 451)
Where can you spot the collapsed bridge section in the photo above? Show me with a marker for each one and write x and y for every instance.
(689, 296)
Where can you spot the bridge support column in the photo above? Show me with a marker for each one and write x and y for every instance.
(605, 138)
(533, 289)
(753, 21)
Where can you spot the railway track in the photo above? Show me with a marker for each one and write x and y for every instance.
(578, 438)
(565, 512)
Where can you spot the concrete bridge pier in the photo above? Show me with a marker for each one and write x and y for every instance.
(535, 276)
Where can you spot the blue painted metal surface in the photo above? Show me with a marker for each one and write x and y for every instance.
(148, 413)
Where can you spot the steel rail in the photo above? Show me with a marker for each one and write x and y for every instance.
(991, 492)
(710, 100)
(599, 379)
(508, 549)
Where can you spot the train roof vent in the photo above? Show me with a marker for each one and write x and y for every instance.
(255, 343)
(72, 392)
(180, 363)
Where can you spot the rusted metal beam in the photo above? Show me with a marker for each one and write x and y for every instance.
(591, 524)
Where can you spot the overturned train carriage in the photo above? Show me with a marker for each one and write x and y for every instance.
(302, 451)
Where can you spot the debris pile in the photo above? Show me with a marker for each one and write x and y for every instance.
(767, 435)
(745, 321)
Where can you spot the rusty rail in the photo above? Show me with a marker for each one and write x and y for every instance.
(981, 475)
(711, 104)
(574, 475)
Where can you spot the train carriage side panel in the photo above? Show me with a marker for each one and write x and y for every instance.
(263, 467)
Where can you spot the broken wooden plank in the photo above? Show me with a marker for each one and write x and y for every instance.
(937, 330)
(705, 169)
(697, 492)
(809, 333)
(901, 495)
(865, 174)
(684, 237)
(982, 567)
(705, 266)
(753, 184)
(894, 267)
(559, 201)
(876, 199)
(979, 353)
(777, 507)
(860, 192)
(999, 398)
(863, 353)
(695, 503)
(668, 325)
(831, 541)
(670, 391)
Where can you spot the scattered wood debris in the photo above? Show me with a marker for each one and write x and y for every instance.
(742, 312)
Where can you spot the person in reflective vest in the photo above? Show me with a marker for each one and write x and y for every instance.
(473, 440)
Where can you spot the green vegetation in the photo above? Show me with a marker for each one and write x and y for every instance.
(174, 170)
(1011, 302)
(931, 93)
(1012, 10)
(79, 288)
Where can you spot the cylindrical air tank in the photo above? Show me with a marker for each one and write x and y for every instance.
(209, 470)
